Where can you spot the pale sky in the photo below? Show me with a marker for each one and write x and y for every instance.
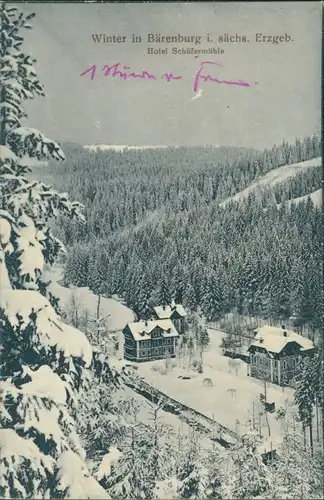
(285, 103)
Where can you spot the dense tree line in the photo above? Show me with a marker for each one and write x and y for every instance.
(302, 184)
(154, 221)
(120, 189)
(252, 257)
(309, 395)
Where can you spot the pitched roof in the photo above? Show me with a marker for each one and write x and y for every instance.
(141, 330)
(164, 312)
(274, 339)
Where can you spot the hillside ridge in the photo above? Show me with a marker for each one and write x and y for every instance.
(274, 177)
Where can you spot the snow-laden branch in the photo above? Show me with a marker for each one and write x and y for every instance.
(21, 308)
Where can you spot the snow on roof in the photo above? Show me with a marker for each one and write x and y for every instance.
(274, 339)
(49, 327)
(166, 311)
(142, 330)
(74, 475)
(105, 467)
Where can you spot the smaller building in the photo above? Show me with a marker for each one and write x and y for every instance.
(175, 312)
(276, 352)
(150, 340)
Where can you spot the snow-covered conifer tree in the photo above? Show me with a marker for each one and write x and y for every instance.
(163, 297)
(305, 399)
(247, 476)
(43, 360)
(143, 306)
(212, 299)
(189, 298)
(297, 474)
(76, 270)
(193, 475)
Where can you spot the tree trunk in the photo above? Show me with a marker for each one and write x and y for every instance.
(98, 307)
(98, 316)
(268, 425)
(322, 424)
(311, 436)
(317, 423)
(265, 390)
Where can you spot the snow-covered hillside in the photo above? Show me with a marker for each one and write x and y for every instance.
(316, 198)
(117, 314)
(118, 147)
(122, 148)
(274, 177)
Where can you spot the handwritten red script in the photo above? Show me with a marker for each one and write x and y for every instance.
(122, 72)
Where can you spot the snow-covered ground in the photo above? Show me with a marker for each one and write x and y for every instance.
(122, 147)
(316, 198)
(119, 147)
(274, 177)
(233, 397)
(118, 315)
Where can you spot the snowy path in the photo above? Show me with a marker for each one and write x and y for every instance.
(316, 198)
(274, 177)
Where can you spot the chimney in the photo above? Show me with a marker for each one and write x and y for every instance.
(285, 334)
(283, 327)
(163, 307)
(146, 322)
(261, 340)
